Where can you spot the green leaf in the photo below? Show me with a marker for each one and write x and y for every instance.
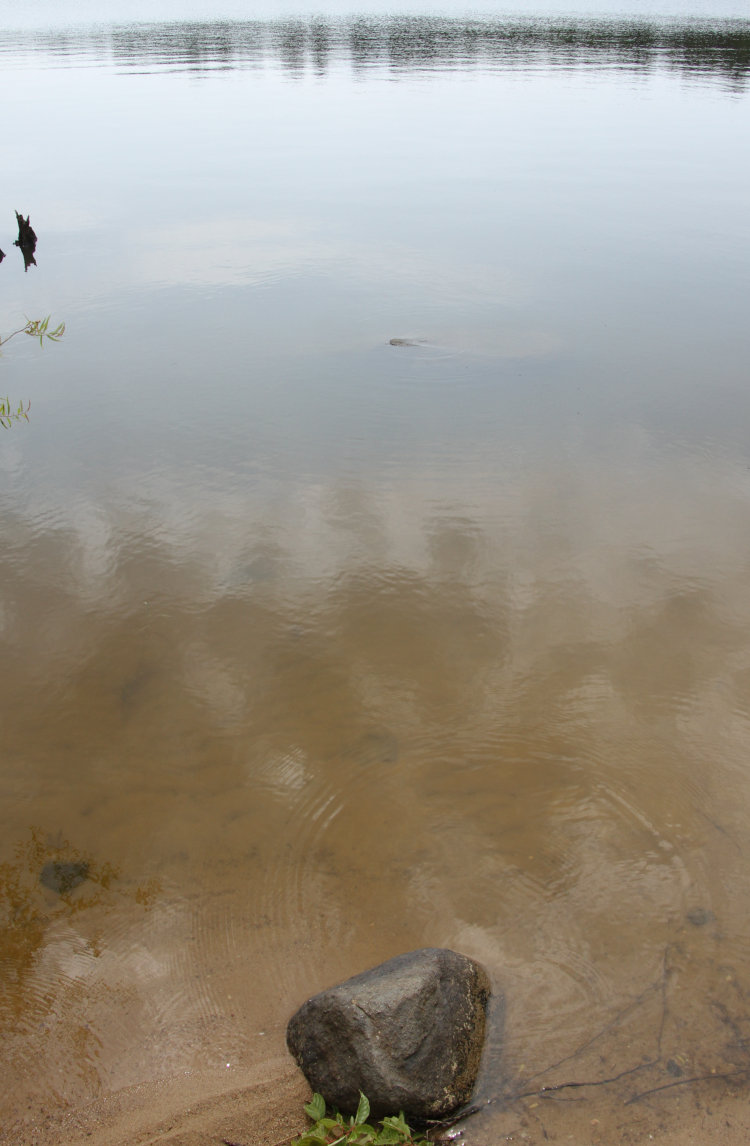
(316, 1107)
(363, 1110)
(363, 1135)
(398, 1124)
(389, 1137)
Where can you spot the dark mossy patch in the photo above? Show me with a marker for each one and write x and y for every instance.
(63, 877)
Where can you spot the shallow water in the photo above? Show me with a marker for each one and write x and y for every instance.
(376, 550)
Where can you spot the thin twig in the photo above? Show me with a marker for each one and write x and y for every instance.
(657, 985)
(724, 1077)
(547, 1090)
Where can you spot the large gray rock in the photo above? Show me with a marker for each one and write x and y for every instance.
(408, 1034)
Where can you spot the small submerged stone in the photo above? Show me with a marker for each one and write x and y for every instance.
(379, 746)
(63, 876)
(699, 916)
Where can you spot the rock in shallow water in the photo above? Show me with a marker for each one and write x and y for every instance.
(407, 1033)
(63, 877)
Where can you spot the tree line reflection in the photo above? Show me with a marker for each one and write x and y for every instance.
(404, 45)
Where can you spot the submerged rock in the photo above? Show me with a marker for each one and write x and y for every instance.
(699, 916)
(408, 1034)
(62, 877)
(379, 746)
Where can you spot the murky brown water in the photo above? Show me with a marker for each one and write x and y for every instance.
(318, 649)
(525, 742)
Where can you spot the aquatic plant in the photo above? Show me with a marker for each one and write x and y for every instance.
(355, 1130)
(50, 879)
(37, 328)
(8, 415)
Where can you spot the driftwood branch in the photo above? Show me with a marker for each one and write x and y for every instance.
(26, 233)
(26, 240)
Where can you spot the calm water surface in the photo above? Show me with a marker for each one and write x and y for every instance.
(318, 648)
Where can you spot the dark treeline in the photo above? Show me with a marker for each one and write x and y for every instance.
(404, 45)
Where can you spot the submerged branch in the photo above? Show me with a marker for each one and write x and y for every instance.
(711, 1076)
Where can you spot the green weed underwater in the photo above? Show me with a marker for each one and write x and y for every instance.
(355, 1130)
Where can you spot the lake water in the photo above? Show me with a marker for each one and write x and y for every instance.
(376, 553)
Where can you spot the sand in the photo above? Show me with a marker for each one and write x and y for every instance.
(262, 1106)
(242, 1107)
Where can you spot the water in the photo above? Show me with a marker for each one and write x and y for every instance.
(318, 648)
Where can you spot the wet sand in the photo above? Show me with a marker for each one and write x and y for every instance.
(262, 1106)
(267, 1112)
